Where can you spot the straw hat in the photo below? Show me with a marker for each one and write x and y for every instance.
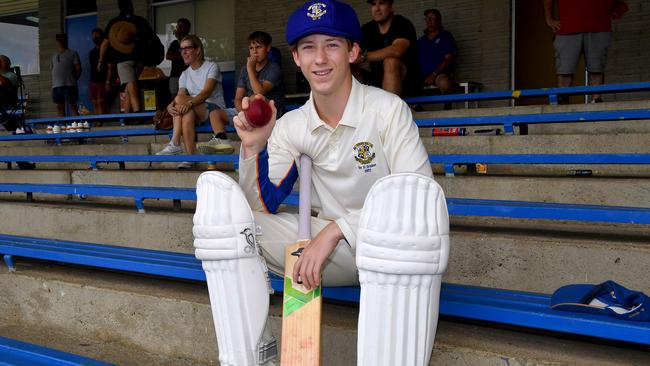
(122, 35)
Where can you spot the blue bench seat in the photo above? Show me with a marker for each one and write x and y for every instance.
(119, 117)
(456, 206)
(449, 160)
(509, 121)
(94, 160)
(515, 308)
(551, 93)
(126, 132)
(17, 353)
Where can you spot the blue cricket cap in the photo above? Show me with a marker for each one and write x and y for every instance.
(608, 298)
(329, 17)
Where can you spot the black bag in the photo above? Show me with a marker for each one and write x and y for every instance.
(153, 52)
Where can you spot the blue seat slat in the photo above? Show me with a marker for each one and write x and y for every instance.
(551, 211)
(568, 117)
(13, 352)
(121, 158)
(538, 315)
(91, 117)
(163, 255)
(518, 308)
(542, 92)
(14, 248)
(456, 206)
(623, 159)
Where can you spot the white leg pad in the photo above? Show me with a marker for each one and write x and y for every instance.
(224, 240)
(402, 251)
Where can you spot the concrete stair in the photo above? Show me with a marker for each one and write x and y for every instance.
(141, 320)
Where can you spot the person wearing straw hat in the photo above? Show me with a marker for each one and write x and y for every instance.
(126, 34)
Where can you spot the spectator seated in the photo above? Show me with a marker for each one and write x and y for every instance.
(11, 106)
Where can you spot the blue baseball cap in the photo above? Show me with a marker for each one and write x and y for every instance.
(329, 17)
(608, 298)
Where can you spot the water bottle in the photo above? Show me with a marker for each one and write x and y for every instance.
(449, 131)
(579, 172)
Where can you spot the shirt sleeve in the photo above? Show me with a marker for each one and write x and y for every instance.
(450, 44)
(182, 80)
(243, 78)
(268, 177)
(274, 76)
(402, 145)
(214, 72)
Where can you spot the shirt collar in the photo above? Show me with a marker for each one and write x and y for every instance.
(351, 114)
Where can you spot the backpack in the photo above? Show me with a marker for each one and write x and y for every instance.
(152, 51)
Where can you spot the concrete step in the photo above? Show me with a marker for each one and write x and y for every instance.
(537, 144)
(558, 189)
(527, 255)
(172, 320)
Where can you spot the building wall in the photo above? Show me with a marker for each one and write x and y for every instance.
(481, 29)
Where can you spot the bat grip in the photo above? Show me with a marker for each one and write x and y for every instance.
(304, 206)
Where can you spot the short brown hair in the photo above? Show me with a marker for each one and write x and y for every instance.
(260, 37)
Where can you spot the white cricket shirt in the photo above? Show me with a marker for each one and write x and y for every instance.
(375, 137)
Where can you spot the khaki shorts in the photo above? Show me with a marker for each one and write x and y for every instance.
(126, 72)
(280, 230)
(568, 48)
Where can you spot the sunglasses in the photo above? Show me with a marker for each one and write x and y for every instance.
(187, 49)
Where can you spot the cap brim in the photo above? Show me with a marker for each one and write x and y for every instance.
(321, 30)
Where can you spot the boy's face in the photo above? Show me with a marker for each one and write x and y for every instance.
(258, 50)
(325, 62)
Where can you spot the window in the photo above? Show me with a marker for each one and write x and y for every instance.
(212, 21)
(19, 41)
(74, 7)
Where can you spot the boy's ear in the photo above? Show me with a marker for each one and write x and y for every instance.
(353, 54)
(296, 57)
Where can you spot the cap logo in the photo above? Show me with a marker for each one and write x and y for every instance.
(316, 11)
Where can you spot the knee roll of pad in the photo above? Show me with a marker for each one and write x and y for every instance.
(404, 227)
(402, 251)
(224, 239)
(229, 231)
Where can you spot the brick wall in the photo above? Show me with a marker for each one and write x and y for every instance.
(481, 29)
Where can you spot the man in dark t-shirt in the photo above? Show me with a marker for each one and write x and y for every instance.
(182, 29)
(100, 84)
(390, 47)
(438, 51)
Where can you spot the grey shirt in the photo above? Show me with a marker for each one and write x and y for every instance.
(62, 66)
(271, 72)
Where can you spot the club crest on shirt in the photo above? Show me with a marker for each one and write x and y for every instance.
(364, 154)
(316, 11)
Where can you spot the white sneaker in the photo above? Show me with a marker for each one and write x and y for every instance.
(170, 149)
(186, 165)
(216, 146)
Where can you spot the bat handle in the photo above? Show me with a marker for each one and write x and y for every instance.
(304, 208)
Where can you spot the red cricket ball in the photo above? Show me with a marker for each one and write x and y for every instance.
(258, 113)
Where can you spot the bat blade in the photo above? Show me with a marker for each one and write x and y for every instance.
(301, 316)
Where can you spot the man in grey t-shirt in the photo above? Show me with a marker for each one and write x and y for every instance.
(66, 69)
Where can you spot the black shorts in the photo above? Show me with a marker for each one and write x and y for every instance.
(61, 94)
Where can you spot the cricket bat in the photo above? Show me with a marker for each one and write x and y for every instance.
(301, 310)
